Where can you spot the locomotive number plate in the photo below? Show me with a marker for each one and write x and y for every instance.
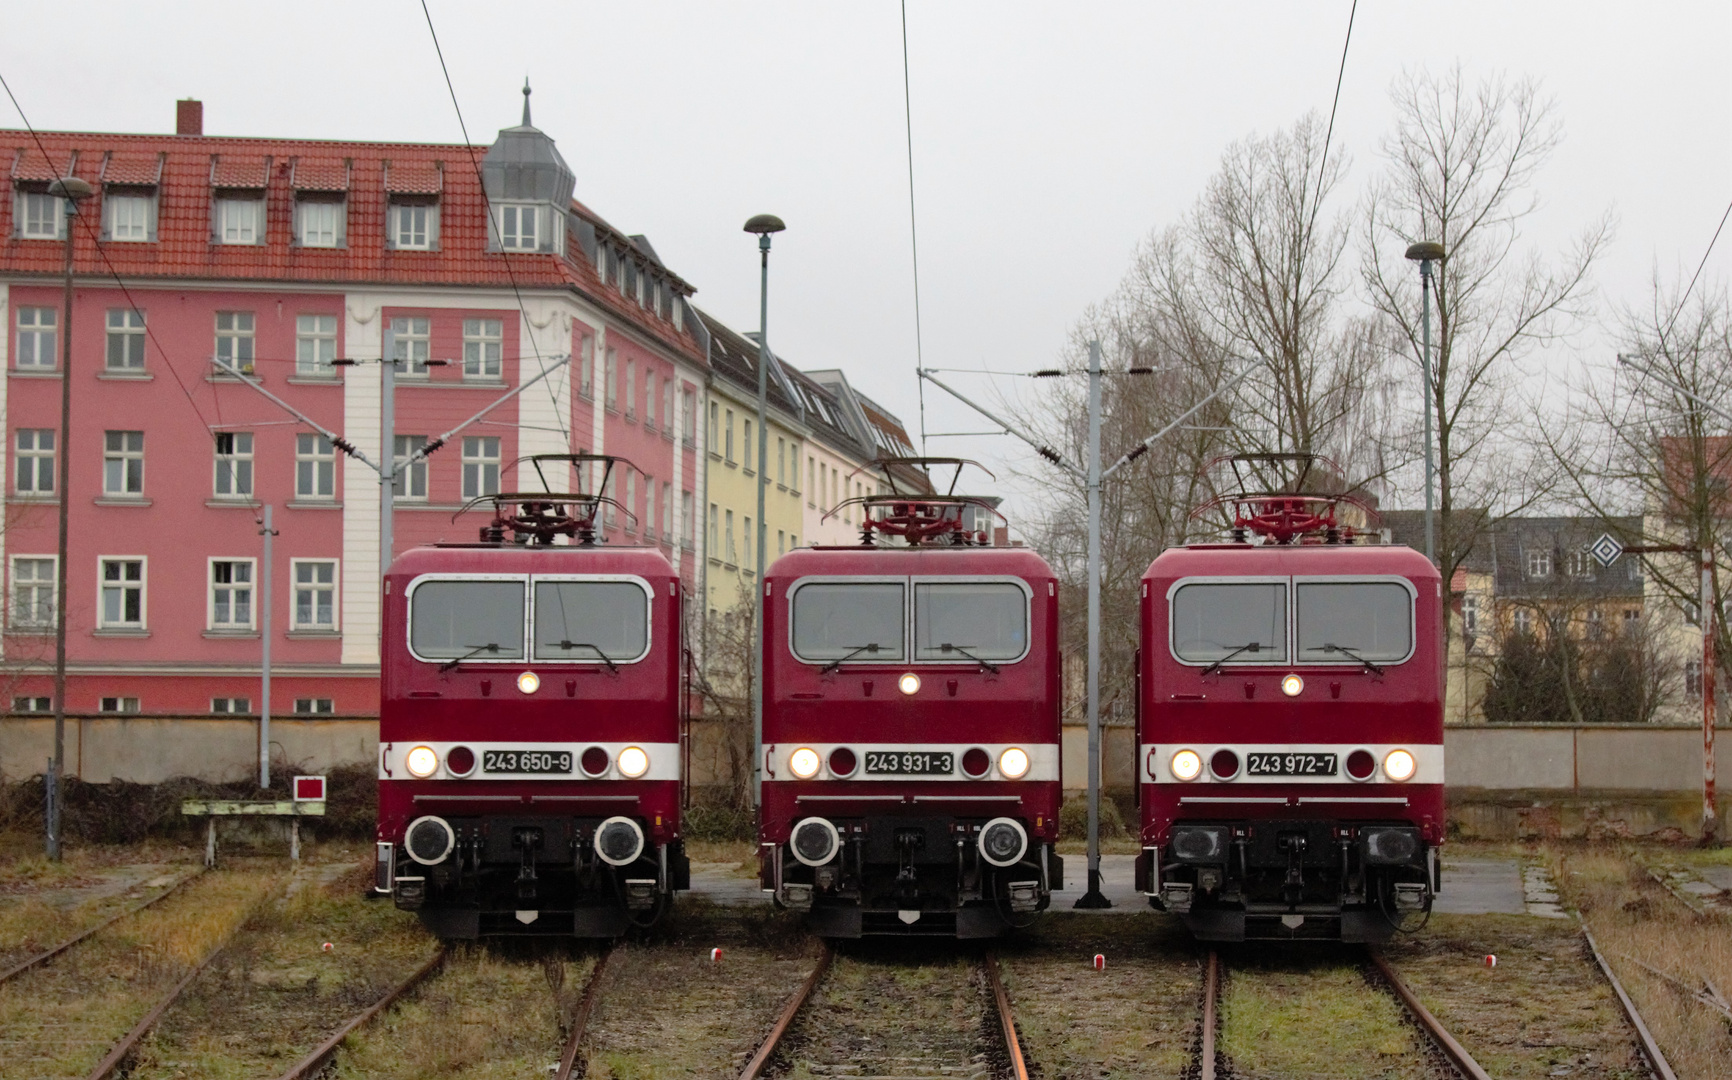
(526, 761)
(886, 763)
(1290, 764)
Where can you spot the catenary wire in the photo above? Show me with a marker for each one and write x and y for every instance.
(1340, 75)
(492, 225)
(913, 232)
(1680, 308)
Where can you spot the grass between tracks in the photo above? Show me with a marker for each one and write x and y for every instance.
(60, 1019)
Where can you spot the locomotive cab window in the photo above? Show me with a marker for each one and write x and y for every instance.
(1230, 623)
(1349, 622)
(969, 621)
(849, 621)
(467, 619)
(591, 622)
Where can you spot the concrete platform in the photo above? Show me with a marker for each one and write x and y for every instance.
(723, 883)
(1481, 887)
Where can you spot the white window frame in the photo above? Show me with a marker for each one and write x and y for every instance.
(129, 217)
(409, 483)
(297, 587)
(404, 233)
(31, 206)
(481, 453)
(233, 468)
(31, 458)
(38, 619)
(484, 349)
(1537, 561)
(130, 484)
(125, 330)
(234, 339)
(315, 345)
(103, 622)
(312, 708)
(321, 223)
(226, 706)
(512, 219)
(412, 345)
(586, 368)
(248, 585)
(239, 221)
(41, 325)
(122, 706)
(32, 703)
(630, 389)
(315, 462)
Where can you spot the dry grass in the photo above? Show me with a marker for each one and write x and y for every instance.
(892, 1009)
(60, 1019)
(1290, 1012)
(1634, 919)
(741, 853)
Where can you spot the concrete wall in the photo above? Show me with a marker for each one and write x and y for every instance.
(150, 749)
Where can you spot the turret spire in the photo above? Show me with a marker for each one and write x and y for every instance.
(526, 101)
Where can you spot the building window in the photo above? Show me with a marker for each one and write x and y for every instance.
(668, 419)
(1470, 614)
(746, 537)
(315, 345)
(231, 594)
(122, 594)
(631, 515)
(480, 466)
(689, 407)
(728, 539)
(610, 512)
(1632, 620)
(34, 472)
(668, 512)
(1581, 564)
(649, 507)
(37, 338)
(412, 345)
(746, 446)
(713, 433)
(315, 467)
(649, 399)
(1539, 562)
(414, 226)
(410, 480)
(713, 545)
(118, 705)
(1693, 680)
(1633, 568)
(231, 706)
(234, 339)
(519, 228)
(728, 438)
(811, 480)
(586, 367)
(33, 592)
(483, 344)
(315, 594)
(234, 464)
(39, 215)
(128, 216)
(32, 704)
(1596, 625)
(630, 389)
(240, 221)
(781, 538)
(687, 525)
(611, 376)
(1523, 621)
(320, 222)
(125, 339)
(123, 463)
(313, 706)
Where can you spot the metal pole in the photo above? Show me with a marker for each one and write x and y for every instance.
(1425, 364)
(265, 659)
(54, 787)
(1710, 815)
(758, 582)
(387, 447)
(1093, 898)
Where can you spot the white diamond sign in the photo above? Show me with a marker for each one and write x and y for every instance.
(1606, 549)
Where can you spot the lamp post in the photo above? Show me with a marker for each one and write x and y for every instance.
(765, 225)
(71, 191)
(1425, 253)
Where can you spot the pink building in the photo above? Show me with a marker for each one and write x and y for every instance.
(280, 256)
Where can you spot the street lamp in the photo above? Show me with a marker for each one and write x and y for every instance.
(71, 191)
(1425, 253)
(764, 225)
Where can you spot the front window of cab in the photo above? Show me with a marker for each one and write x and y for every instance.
(1353, 621)
(452, 620)
(1237, 622)
(984, 620)
(950, 621)
(849, 620)
(591, 621)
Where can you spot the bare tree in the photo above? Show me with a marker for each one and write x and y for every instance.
(1462, 161)
(724, 685)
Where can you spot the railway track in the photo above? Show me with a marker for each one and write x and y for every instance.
(49, 954)
(914, 1058)
(315, 1061)
(1211, 1063)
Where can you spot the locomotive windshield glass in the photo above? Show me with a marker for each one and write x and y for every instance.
(1354, 621)
(849, 620)
(1232, 623)
(970, 620)
(590, 622)
(479, 620)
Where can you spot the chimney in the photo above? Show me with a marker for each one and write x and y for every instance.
(189, 117)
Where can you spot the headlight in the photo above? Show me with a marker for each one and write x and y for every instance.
(1199, 843)
(1013, 763)
(1399, 765)
(529, 682)
(619, 841)
(633, 762)
(1291, 685)
(803, 763)
(814, 841)
(1186, 765)
(909, 683)
(1003, 841)
(422, 762)
(428, 840)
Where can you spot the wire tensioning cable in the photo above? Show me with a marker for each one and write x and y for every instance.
(1340, 74)
(1680, 308)
(913, 232)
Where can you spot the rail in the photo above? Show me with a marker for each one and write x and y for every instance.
(1006, 1021)
(43, 957)
(1211, 1020)
(580, 1016)
(755, 1067)
(315, 1061)
(1650, 1048)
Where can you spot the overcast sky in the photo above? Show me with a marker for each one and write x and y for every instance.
(1047, 139)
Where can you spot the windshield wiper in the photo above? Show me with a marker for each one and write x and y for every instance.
(491, 646)
(1249, 646)
(836, 664)
(1330, 647)
(570, 645)
(947, 647)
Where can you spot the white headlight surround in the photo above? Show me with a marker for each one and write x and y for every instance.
(804, 831)
(804, 763)
(420, 829)
(1292, 685)
(422, 762)
(529, 682)
(1013, 763)
(909, 683)
(609, 831)
(1186, 765)
(632, 762)
(992, 836)
(1400, 765)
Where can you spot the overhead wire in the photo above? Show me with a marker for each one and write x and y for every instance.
(913, 231)
(1329, 134)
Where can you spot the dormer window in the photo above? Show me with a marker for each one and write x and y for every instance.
(320, 222)
(520, 228)
(127, 215)
(38, 214)
(240, 219)
(414, 226)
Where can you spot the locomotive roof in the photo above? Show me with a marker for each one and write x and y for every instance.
(1249, 560)
(528, 559)
(1017, 561)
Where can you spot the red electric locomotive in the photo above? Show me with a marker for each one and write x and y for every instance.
(911, 727)
(530, 751)
(1290, 743)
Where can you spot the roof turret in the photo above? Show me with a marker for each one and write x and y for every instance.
(523, 165)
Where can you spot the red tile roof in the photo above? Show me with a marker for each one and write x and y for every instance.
(319, 174)
(126, 167)
(190, 166)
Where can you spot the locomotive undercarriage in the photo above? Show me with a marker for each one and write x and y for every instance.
(1286, 880)
(532, 876)
(908, 876)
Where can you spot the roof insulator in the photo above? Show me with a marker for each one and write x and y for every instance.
(1140, 371)
(1046, 373)
(1050, 454)
(1141, 449)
